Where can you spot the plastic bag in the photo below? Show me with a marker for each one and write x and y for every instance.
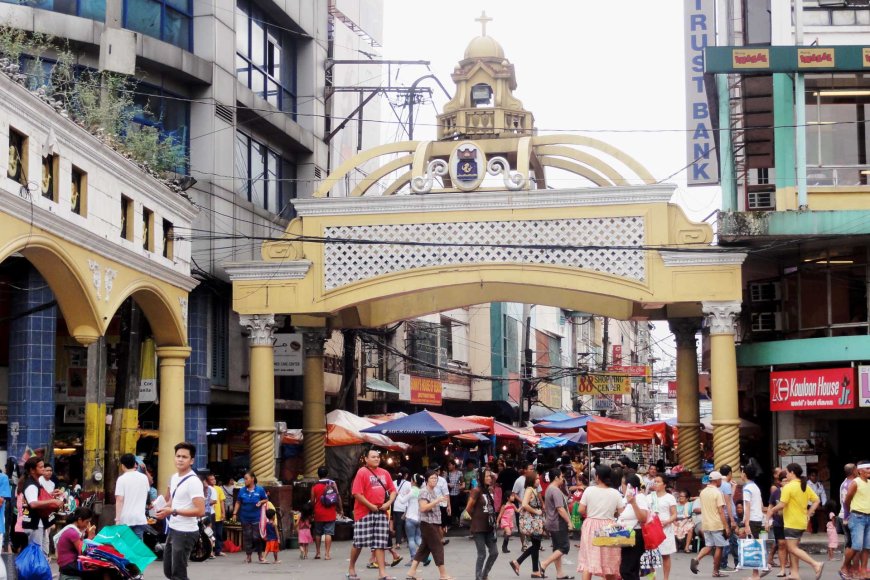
(31, 564)
(751, 554)
(125, 541)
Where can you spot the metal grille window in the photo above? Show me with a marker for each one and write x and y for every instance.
(169, 20)
(265, 57)
(422, 345)
(260, 173)
(220, 341)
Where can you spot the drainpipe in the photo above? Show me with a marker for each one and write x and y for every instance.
(800, 145)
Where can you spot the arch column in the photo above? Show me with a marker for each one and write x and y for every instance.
(171, 360)
(313, 401)
(261, 425)
(688, 412)
(722, 321)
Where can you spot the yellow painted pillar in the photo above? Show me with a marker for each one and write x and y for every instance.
(95, 418)
(313, 402)
(722, 321)
(262, 394)
(688, 411)
(171, 360)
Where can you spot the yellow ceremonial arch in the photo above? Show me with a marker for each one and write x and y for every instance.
(474, 218)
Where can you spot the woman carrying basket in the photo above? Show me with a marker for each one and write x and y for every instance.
(599, 506)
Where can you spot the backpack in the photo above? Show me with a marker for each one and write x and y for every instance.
(329, 498)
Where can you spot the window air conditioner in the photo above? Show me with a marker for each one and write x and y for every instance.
(760, 200)
(766, 321)
(765, 291)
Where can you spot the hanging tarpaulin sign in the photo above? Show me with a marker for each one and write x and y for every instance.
(604, 384)
(864, 386)
(699, 28)
(420, 390)
(288, 354)
(813, 389)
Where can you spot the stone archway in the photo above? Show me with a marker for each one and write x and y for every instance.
(470, 219)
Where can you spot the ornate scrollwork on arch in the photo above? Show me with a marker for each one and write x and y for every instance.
(513, 180)
(424, 183)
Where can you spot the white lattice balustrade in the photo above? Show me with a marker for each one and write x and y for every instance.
(346, 263)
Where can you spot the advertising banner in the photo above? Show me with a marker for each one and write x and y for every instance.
(420, 390)
(617, 354)
(812, 389)
(699, 28)
(288, 354)
(672, 389)
(604, 384)
(864, 386)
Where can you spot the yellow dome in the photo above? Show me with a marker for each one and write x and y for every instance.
(484, 47)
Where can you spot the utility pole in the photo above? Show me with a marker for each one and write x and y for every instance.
(95, 418)
(526, 387)
(606, 345)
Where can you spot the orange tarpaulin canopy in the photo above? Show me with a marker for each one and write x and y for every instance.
(605, 430)
(499, 429)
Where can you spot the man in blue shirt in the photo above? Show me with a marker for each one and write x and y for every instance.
(727, 490)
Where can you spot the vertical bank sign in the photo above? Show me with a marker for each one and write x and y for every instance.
(815, 389)
(700, 30)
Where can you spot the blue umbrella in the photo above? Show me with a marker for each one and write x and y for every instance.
(548, 442)
(566, 426)
(558, 416)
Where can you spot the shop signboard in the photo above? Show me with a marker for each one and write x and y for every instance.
(604, 384)
(864, 386)
(616, 353)
(672, 389)
(603, 403)
(420, 390)
(636, 371)
(812, 389)
(288, 354)
(699, 30)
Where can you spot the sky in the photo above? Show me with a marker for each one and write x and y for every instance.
(605, 69)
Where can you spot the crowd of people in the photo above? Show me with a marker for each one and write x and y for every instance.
(533, 502)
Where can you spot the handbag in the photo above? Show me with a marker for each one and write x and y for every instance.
(532, 524)
(653, 532)
(751, 554)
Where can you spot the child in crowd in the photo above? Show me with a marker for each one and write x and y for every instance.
(304, 531)
(273, 545)
(506, 518)
(833, 536)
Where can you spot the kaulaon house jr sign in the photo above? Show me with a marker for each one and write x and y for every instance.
(812, 389)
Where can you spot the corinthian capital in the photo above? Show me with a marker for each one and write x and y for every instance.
(261, 327)
(684, 330)
(313, 340)
(722, 316)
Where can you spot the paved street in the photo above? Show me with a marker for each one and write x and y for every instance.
(460, 564)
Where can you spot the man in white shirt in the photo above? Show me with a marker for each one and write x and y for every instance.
(185, 501)
(46, 480)
(131, 496)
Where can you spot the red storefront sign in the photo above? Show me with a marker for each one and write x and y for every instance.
(617, 354)
(426, 391)
(813, 389)
(672, 389)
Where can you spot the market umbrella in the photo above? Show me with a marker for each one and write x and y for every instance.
(579, 438)
(344, 428)
(550, 442)
(426, 424)
(565, 426)
(559, 416)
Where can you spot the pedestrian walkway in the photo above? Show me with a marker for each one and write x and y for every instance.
(460, 558)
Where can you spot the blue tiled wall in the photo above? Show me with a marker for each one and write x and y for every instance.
(32, 341)
(197, 391)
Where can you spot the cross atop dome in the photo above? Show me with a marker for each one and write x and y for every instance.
(483, 19)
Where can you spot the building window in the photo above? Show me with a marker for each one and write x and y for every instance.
(169, 20)
(147, 230)
(126, 218)
(837, 138)
(17, 166)
(261, 176)
(167, 112)
(79, 192)
(168, 240)
(220, 340)
(48, 185)
(93, 9)
(445, 340)
(265, 57)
